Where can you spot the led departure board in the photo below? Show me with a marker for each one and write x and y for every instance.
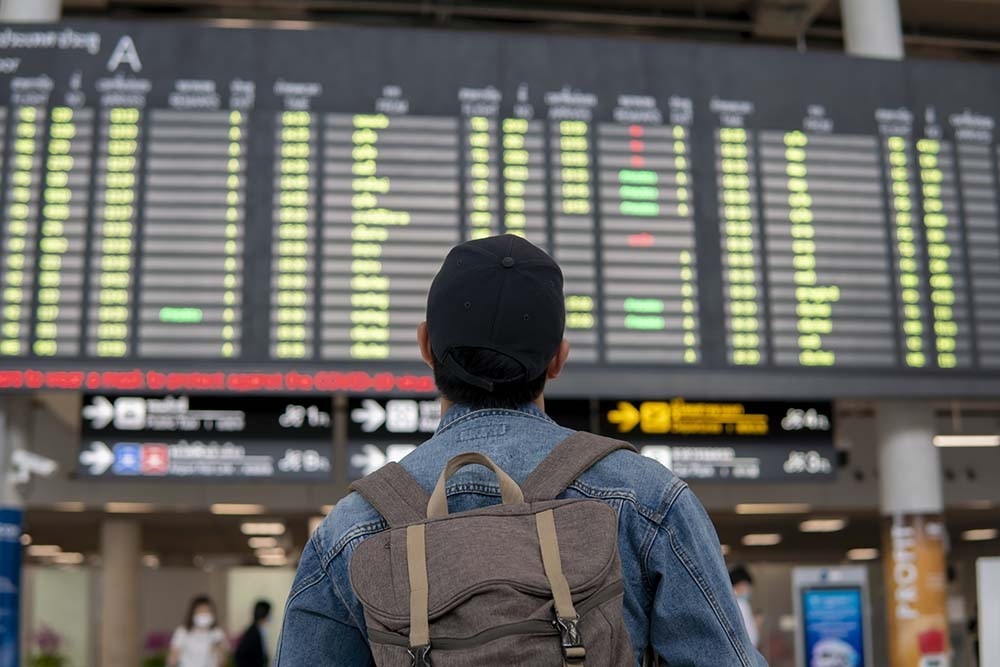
(192, 208)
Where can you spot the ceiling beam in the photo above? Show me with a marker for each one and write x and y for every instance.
(785, 19)
(526, 12)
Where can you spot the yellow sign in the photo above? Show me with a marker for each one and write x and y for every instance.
(678, 417)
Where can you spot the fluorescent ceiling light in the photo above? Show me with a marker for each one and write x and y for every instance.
(236, 509)
(822, 525)
(273, 560)
(726, 549)
(977, 505)
(263, 528)
(151, 561)
(128, 508)
(761, 540)
(862, 554)
(70, 506)
(70, 558)
(232, 23)
(25, 540)
(44, 550)
(270, 551)
(773, 508)
(262, 542)
(981, 535)
(966, 440)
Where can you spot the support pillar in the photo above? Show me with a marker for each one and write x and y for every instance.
(914, 535)
(872, 28)
(121, 553)
(30, 11)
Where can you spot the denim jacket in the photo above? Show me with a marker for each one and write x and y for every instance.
(678, 598)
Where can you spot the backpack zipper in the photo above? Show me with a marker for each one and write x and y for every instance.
(537, 627)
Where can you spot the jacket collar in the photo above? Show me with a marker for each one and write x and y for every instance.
(459, 411)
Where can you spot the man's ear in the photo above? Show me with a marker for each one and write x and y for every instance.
(424, 342)
(558, 361)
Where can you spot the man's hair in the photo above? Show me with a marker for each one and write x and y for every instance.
(490, 365)
(739, 575)
(261, 610)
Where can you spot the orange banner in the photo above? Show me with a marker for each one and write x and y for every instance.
(917, 590)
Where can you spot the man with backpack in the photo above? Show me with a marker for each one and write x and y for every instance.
(506, 539)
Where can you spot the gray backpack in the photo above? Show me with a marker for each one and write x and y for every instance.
(533, 581)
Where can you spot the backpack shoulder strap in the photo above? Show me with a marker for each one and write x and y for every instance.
(394, 494)
(571, 458)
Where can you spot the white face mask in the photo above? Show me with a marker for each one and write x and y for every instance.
(204, 620)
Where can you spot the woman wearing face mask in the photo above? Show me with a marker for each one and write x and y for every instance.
(199, 642)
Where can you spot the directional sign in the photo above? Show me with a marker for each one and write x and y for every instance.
(204, 436)
(387, 429)
(398, 419)
(213, 458)
(394, 417)
(626, 416)
(370, 416)
(99, 413)
(128, 459)
(728, 441)
(97, 458)
(366, 459)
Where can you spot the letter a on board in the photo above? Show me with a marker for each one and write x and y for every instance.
(125, 52)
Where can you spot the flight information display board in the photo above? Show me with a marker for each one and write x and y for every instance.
(201, 208)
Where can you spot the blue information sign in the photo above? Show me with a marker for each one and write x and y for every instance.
(834, 627)
(10, 584)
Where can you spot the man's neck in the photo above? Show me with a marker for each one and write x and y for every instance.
(447, 405)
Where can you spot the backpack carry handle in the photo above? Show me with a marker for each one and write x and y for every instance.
(510, 492)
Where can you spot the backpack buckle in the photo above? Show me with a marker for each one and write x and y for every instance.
(420, 656)
(572, 645)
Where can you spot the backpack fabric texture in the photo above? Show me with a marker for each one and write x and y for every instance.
(532, 581)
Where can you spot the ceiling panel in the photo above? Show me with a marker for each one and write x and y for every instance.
(946, 28)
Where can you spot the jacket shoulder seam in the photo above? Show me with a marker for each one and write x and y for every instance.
(357, 531)
(620, 494)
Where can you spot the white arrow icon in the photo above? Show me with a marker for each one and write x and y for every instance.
(98, 458)
(100, 413)
(370, 415)
(372, 458)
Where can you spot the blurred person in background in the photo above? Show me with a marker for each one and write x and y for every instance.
(200, 642)
(743, 589)
(251, 651)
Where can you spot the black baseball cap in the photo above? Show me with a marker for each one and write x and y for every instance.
(501, 294)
